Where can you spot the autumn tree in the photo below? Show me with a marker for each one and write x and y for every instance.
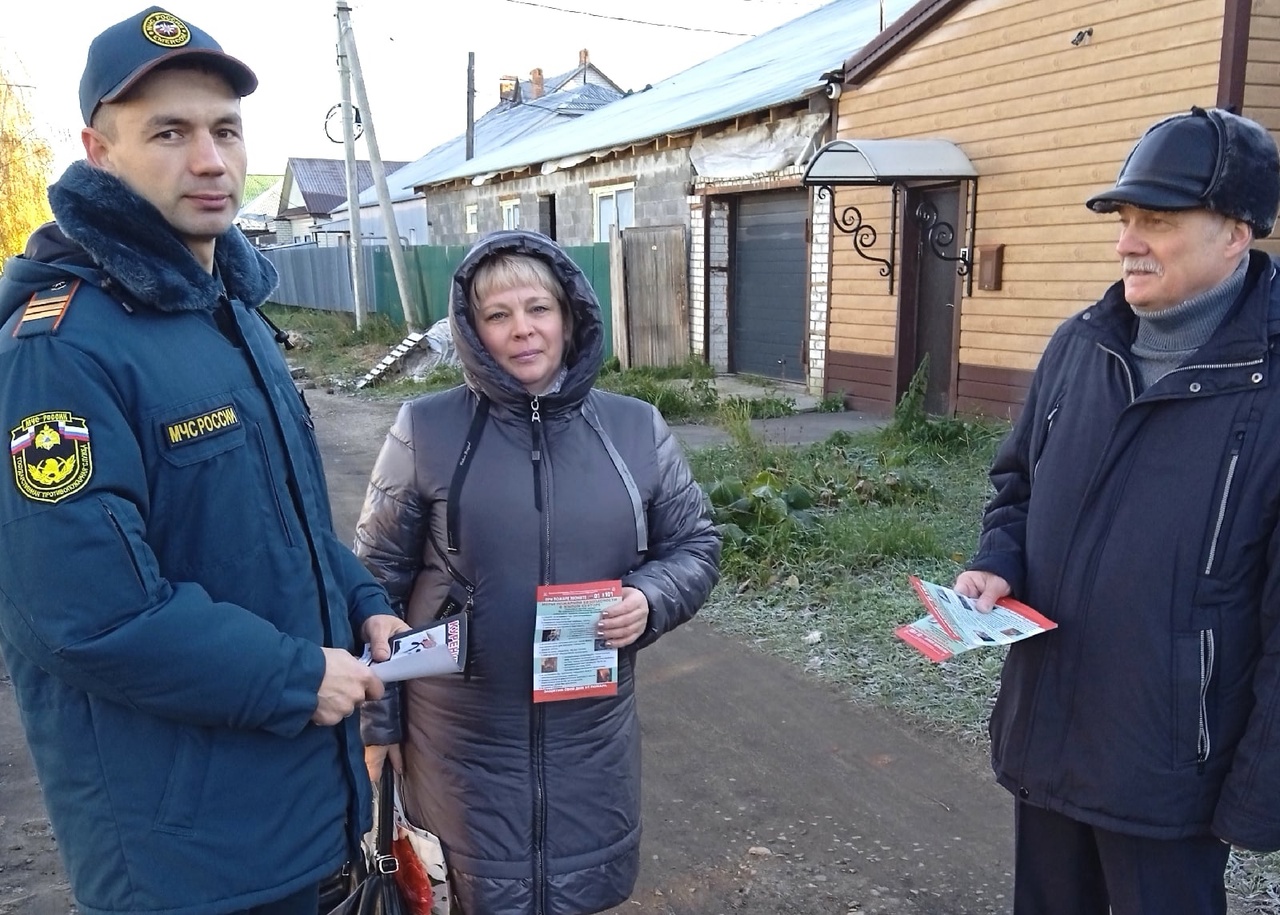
(26, 159)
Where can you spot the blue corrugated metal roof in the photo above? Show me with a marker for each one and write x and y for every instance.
(499, 126)
(782, 65)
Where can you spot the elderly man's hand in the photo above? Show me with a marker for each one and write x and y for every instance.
(986, 587)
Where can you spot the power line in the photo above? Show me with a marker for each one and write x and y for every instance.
(660, 25)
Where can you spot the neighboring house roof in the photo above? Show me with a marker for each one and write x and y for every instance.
(501, 125)
(783, 65)
(257, 212)
(323, 182)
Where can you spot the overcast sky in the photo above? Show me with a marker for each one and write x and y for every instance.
(414, 56)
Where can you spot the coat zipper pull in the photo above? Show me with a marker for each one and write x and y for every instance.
(536, 423)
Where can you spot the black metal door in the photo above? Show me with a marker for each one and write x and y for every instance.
(932, 215)
(768, 302)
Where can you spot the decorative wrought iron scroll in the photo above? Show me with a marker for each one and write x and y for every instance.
(939, 236)
(849, 221)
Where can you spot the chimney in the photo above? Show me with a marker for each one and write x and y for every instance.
(535, 83)
(583, 58)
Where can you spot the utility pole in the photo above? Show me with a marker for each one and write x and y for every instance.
(471, 105)
(355, 245)
(398, 265)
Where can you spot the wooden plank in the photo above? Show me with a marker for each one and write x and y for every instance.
(987, 409)
(656, 269)
(1039, 51)
(907, 116)
(1000, 307)
(1005, 358)
(994, 26)
(618, 295)
(1040, 48)
(868, 347)
(1011, 324)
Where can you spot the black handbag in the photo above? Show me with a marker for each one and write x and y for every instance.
(376, 892)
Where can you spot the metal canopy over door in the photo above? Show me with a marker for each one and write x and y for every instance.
(930, 292)
(768, 300)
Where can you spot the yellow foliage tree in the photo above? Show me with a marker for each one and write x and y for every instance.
(26, 159)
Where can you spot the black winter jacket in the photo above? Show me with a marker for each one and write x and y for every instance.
(1146, 525)
(537, 805)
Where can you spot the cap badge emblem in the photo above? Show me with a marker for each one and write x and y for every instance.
(166, 30)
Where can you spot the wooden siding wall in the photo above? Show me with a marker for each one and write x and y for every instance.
(1262, 77)
(1046, 124)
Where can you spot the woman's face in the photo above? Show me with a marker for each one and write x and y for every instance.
(524, 330)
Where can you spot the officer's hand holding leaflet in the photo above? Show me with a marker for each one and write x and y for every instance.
(346, 684)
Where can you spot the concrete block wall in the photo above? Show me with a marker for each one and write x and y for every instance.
(661, 198)
(819, 290)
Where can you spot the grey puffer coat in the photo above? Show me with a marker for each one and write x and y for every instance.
(537, 805)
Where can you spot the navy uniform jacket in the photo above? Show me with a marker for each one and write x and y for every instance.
(170, 572)
(1147, 525)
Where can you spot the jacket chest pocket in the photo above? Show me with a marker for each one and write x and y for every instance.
(217, 487)
(1233, 477)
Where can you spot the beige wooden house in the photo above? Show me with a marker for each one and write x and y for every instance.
(1032, 106)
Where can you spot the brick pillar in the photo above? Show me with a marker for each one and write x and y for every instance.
(718, 285)
(819, 291)
(697, 277)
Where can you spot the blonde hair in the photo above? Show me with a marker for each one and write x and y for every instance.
(507, 271)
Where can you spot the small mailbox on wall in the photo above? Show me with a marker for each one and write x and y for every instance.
(990, 266)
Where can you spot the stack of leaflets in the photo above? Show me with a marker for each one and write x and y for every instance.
(440, 647)
(955, 624)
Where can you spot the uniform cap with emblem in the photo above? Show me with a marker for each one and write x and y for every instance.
(131, 49)
(1207, 159)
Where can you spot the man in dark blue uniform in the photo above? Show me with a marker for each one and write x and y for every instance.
(1138, 505)
(176, 612)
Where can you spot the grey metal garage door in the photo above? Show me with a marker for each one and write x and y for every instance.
(767, 309)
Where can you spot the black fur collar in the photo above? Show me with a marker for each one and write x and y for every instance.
(130, 240)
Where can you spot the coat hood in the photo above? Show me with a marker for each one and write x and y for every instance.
(103, 224)
(585, 351)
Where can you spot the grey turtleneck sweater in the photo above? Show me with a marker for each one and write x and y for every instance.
(1167, 338)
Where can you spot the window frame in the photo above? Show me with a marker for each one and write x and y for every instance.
(611, 191)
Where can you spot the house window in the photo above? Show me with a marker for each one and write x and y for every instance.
(472, 212)
(511, 213)
(614, 206)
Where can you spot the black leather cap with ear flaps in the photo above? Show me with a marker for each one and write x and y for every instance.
(1210, 159)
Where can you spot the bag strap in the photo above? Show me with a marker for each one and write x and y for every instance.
(384, 861)
(460, 470)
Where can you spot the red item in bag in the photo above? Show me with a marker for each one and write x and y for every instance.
(411, 877)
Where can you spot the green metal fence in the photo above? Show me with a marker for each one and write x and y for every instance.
(431, 270)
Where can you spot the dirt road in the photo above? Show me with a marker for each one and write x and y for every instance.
(765, 793)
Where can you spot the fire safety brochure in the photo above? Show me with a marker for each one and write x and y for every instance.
(954, 623)
(569, 661)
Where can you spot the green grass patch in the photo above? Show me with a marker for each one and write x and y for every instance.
(329, 347)
(872, 508)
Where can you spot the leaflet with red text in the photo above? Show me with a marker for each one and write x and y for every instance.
(955, 624)
(440, 647)
(569, 660)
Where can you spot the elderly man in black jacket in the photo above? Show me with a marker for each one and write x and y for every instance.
(1138, 504)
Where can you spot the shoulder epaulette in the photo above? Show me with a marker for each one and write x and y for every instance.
(45, 309)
